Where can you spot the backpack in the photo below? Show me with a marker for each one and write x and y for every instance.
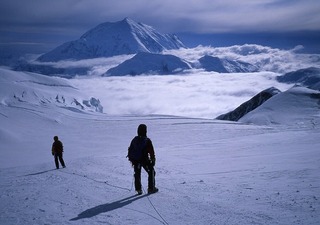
(138, 149)
(58, 147)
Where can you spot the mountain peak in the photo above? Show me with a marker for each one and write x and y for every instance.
(128, 20)
(114, 38)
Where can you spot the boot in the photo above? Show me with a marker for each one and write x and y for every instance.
(152, 190)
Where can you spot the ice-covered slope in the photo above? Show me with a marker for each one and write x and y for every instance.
(22, 89)
(149, 63)
(114, 38)
(298, 106)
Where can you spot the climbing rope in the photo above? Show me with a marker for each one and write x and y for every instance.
(104, 182)
(155, 209)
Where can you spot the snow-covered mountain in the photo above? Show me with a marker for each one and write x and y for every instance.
(308, 77)
(25, 90)
(114, 38)
(297, 106)
(149, 63)
(216, 64)
(249, 105)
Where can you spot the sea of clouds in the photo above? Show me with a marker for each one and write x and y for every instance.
(195, 93)
(201, 95)
(264, 57)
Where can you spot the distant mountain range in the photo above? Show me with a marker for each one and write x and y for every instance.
(128, 37)
(114, 38)
(147, 46)
(308, 77)
(216, 64)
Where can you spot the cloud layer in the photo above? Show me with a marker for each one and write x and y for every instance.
(195, 93)
(201, 95)
(263, 57)
(176, 16)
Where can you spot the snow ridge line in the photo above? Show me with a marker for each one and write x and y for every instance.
(155, 209)
(98, 181)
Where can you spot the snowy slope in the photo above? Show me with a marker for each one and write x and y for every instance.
(249, 105)
(22, 88)
(149, 63)
(246, 174)
(114, 38)
(208, 172)
(298, 106)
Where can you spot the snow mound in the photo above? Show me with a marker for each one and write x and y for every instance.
(249, 105)
(149, 63)
(23, 88)
(114, 38)
(296, 106)
(211, 63)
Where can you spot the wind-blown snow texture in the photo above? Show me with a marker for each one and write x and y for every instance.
(208, 172)
(110, 39)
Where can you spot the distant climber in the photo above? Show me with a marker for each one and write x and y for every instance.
(141, 154)
(57, 152)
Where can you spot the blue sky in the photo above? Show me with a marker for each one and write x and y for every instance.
(40, 25)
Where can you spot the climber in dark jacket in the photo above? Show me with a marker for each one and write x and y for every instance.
(57, 152)
(141, 154)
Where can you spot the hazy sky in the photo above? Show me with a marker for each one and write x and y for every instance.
(43, 23)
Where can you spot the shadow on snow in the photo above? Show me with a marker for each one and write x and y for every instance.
(33, 174)
(107, 207)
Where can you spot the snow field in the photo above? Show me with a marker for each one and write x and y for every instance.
(208, 172)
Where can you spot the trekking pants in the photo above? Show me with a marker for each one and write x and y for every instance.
(137, 175)
(56, 157)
